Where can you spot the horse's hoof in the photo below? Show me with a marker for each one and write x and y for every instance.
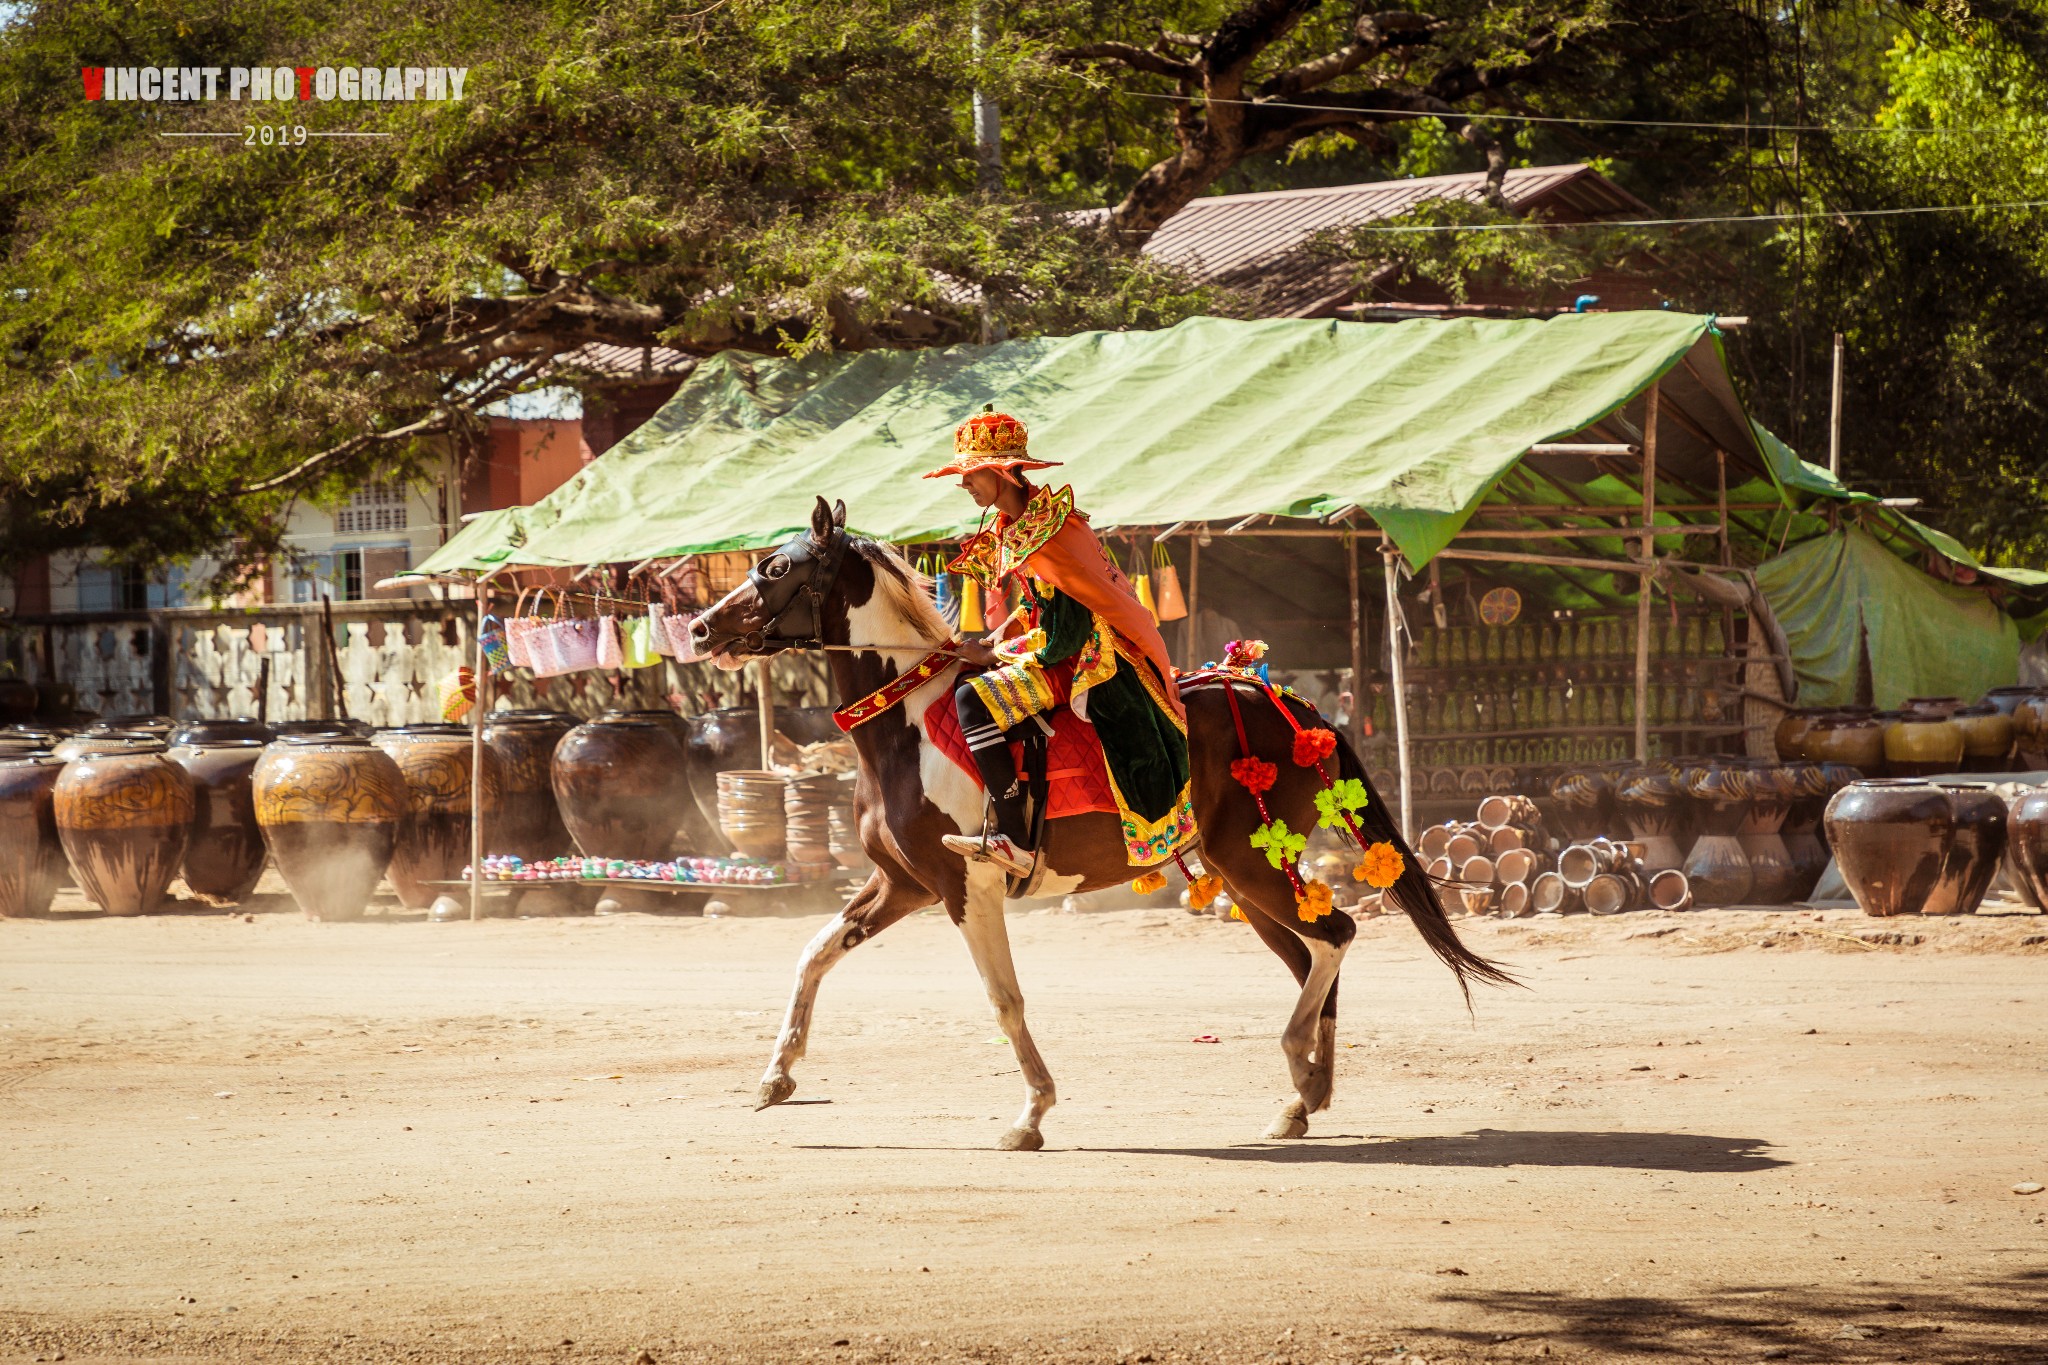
(1292, 1122)
(775, 1091)
(1021, 1140)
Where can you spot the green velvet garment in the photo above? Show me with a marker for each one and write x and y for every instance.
(1146, 752)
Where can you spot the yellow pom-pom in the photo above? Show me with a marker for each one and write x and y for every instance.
(1382, 866)
(1147, 884)
(1314, 902)
(1203, 890)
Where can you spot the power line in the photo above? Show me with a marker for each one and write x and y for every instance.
(1583, 119)
(1527, 226)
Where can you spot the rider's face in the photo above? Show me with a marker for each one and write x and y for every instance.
(983, 485)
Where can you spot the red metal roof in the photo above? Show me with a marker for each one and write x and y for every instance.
(1255, 241)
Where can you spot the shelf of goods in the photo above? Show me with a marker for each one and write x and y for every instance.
(678, 874)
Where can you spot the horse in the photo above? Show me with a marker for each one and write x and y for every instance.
(875, 616)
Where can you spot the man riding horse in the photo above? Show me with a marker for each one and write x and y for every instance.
(1081, 639)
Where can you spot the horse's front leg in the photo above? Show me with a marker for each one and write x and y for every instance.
(876, 906)
(988, 939)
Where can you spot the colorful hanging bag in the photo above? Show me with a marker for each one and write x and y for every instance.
(458, 694)
(1173, 606)
(637, 643)
(497, 655)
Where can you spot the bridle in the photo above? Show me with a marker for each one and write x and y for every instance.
(791, 585)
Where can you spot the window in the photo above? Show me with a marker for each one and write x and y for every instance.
(103, 587)
(374, 507)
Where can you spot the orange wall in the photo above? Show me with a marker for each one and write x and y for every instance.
(525, 461)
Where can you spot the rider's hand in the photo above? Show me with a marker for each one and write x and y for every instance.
(978, 653)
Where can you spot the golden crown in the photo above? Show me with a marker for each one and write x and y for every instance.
(989, 433)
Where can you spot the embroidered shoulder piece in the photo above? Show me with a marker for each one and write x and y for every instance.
(993, 556)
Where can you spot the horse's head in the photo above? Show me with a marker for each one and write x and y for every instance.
(783, 603)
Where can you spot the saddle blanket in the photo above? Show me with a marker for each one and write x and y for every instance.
(1076, 776)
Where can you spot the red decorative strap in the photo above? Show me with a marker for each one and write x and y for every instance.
(888, 696)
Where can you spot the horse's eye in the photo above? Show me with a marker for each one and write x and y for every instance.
(775, 566)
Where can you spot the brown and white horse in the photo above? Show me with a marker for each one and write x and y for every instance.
(829, 589)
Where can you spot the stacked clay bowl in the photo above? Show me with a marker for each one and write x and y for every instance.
(752, 813)
(123, 811)
(330, 807)
(807, 806)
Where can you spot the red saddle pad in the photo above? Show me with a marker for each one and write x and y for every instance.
(1077, 778)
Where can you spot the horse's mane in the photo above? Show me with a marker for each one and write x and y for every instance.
(909, 591)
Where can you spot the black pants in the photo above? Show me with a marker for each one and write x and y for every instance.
(990, 747)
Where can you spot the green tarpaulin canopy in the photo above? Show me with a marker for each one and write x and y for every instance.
(1210, 420)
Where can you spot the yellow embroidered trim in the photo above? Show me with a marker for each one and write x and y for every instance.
(1014, 693)
(992, 556)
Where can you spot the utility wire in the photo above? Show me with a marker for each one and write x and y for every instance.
(1579, 119)
(1539, 226)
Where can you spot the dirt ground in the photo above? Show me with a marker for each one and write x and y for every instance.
(1721, 1136)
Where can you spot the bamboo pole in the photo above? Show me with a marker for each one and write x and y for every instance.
(1194, 595)
(1835, 415)
(764, 693)
(1643, 584)
(1557, 561)
(1390, 559)
(1359, 710)
(476, 757)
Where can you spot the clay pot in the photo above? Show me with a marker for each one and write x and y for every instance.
(2027, 843)
(1497, 813)
(1669, 890)
(808, 803)
(31, 852)
(1580, 863)
(716, 742)
(1551, 894)
(529, 825)
(154, 727)
(1718, 870)
(1921, 746)
(123, 811)
(330, 807)
(1987, 738)
(695, 834)
(620, 784)
(434, 838)
(1931, 708)
(18, 699)
(846, 847)
(1974, 853)
(2030, 731)
(1896, 843)
(1514, 901)
(225, 853)
(1611, 893)
(1724, 792)
(1585, 801)
(1771, 791)
(212, 731)
(753, 813)
(1649, 802)
(1846, 735)
(1790, 736)
(2006, 700)
(330, 727)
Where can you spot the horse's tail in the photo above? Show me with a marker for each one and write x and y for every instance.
(1413, 892)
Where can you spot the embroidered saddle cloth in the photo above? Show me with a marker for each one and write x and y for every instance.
(1077, 776)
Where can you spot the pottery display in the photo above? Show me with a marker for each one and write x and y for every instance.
(153, 727)
(330, 807)
(1921, 744)
(123, 811)
(225, 853)
(1898, 845)
(753, 813)
(1810, 790)
(529, 824)
(434, 837)
(1987, 738)
(1585, 803)
(1773, 877)
(1648, 800)
(1974, 852)
(228, 727)
(620, 784)
(31, 852)
(18, 699)
(1718, 867)
(333, 725)
(1850, 735)
(808, 803)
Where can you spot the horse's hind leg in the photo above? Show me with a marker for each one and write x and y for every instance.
(876, 906)
(1314, 953)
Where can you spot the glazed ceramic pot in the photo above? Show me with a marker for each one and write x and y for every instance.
(2006, 700)
(753, 812)
(225, 853)
(695, 833)
(620, 784)
(1773, 874)
(18, 699)
(330, 807)
(1790, 736)
(1974, 853)
(123, 813)
(433, 839)
(31, 853)
(1810, 792)
(1585, 802)
(209, 731)
(1649, 800)
(1921, 745)
(1987, 738)
(2030, 731)
(1895, 842)
(2027, 843)
(529, 825)
(333, 725)
(1717, 867)
(1932, 708)
(1849, 735)
(154, 727)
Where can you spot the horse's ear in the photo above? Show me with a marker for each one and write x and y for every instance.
(821, 521)
(839, 514)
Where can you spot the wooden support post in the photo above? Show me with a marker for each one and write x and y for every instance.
(1644, 583)
(476, 758)
(1359, 709)
(764, 691)
(1191, 643)
(1835, 415)
(1390, 558)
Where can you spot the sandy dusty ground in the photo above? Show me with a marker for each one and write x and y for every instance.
(1713, 1137)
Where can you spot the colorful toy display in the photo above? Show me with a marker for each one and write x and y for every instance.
(705, 871)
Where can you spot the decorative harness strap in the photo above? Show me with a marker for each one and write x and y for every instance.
(888, 696)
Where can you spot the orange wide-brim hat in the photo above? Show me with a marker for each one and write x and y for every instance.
(990, 440)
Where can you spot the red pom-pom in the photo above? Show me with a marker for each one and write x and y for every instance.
(1313, 746)
(1257, 775)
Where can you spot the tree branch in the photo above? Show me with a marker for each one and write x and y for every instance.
(1131, 55)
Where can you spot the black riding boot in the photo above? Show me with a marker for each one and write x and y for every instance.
(991, 750)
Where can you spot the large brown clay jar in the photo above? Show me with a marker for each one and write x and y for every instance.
(1891, 839)
(330, 807)
(1790, 736)
(31, 854)
(2027, 843)
(225, 854)
(123, 813)
(620, 784)
(433, 839)
(1987, 738)
(2030, 731)
(1921, 744)
(227, 727)
(1974, 851)
(1850, 736)
(529, 825)
(695, 834)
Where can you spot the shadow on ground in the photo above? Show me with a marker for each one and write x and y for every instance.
(1489, 1147)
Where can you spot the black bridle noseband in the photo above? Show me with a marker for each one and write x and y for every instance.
(792, 584)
